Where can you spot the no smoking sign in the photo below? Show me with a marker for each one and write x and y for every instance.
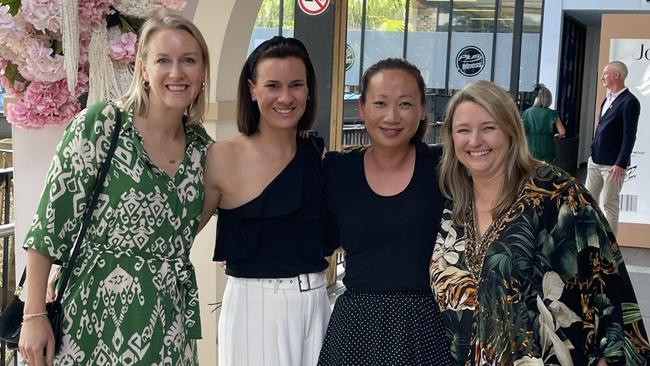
(313, 7)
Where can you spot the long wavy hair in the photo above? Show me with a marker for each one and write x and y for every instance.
(455, 179)
(137, 97)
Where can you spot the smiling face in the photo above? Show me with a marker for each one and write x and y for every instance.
(479, 143)
(174, 69)
(392, 109)
(280, 90)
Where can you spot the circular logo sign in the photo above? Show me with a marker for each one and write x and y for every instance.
(470, 61)
(313, 7)
(349, 57)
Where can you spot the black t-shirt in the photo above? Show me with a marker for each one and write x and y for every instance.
(388, 240)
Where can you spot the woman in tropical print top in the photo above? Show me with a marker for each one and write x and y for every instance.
(525, 268)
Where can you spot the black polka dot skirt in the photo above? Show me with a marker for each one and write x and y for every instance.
(385, 328)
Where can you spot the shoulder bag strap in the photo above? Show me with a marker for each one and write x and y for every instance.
(88, 214)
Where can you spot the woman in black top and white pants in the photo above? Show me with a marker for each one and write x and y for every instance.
(386, 207)
(267, 186)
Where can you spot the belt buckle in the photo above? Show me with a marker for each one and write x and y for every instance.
(300, 282)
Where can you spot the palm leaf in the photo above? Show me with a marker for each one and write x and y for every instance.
(631, 312)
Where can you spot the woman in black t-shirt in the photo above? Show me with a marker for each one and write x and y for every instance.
(385, 207)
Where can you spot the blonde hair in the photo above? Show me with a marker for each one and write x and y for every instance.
(543, 98)
(137, 97)
(455, 180)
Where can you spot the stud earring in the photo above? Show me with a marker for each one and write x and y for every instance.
(145, 84)
(203, 85)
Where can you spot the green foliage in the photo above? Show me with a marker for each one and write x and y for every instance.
(14, 6)
(269, 14)
(631, 312)
(12, 74)
(125, 25)
(382, 15)
(57, 47)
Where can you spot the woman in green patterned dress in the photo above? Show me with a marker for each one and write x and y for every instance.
(540, 124)
(132, 297)
(525, 268)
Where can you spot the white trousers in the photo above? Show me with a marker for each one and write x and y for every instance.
(605, 191)
(273, 322)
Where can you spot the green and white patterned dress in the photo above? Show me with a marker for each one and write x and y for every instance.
(132, 297)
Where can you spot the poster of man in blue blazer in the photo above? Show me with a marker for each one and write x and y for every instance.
(613, 141)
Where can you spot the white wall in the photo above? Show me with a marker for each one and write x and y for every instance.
(33, 151)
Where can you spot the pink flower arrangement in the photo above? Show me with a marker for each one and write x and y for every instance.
(122, 49)
(44, 104)
(32, 61)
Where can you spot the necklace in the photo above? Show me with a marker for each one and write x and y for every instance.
(477, 243)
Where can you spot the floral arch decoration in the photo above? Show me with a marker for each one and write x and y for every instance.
(56, 56)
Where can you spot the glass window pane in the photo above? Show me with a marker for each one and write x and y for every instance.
(267, 23)
(353, 131)
(503, 56)
(353, 46)
(384, 35)
(287, 18)
(530, 45)
(427, 40)
(471, 42)
(473, 16)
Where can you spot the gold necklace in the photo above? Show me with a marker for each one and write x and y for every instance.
(478, 244)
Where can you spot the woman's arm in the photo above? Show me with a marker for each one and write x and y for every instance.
(210, 181)
(561, 131)
(36, 338)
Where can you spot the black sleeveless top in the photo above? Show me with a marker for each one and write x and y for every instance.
(280, 233)
(388, 239)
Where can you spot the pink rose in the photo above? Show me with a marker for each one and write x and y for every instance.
(40, 66)
(17, 113)
(122, 49)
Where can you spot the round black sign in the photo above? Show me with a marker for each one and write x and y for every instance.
(349, 57)
(470, 61)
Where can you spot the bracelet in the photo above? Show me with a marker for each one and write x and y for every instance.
(27, 317)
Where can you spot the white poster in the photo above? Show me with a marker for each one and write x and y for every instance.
(635, 195)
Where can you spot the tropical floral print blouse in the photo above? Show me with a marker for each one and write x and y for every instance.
(549, 287)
